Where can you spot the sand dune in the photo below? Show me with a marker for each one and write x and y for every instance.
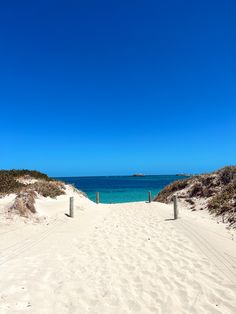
(121, 258)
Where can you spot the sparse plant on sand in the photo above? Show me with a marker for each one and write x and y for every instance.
(216, 191)
(26, 184)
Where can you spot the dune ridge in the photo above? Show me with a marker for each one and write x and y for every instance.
(215, 192)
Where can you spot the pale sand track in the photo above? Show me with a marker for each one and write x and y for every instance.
(121, 258)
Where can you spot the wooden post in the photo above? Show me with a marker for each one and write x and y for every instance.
(175, 207)
(72, 207)
(149, 197)
(97, 197)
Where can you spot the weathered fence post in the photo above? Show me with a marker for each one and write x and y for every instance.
(175, 207)
(72, 207)
(149, 197)
(223, 218)
(97, 197)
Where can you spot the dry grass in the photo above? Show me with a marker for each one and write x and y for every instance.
(27, 193)
(218, 189)
(48, 188)
(24, 204)
(166, 194)
(45, 186)
(197, 190)
(8, 184)
(9, 180)
(225, 201)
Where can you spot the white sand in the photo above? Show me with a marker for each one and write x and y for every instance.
(121, 258)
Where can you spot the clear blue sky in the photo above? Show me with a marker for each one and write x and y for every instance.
(117, 87)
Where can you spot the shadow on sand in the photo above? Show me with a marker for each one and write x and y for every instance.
(68, 215)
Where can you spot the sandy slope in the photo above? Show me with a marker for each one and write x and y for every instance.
(121, 258)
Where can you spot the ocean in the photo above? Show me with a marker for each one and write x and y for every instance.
(121, 189)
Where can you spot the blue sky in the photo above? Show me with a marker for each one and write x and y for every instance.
(117, 87)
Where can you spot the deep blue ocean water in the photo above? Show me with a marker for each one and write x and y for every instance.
(121, 189)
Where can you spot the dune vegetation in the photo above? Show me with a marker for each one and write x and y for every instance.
(214, 191)
(27, 184)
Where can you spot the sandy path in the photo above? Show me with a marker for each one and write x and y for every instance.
(127, 258)
(219, 252)
(211, 239)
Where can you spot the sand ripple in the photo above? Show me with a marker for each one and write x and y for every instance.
(133, 261)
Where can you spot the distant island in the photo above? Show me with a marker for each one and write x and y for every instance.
(138, 175)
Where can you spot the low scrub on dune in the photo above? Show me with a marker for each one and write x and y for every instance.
(167, 193)
(9, 180)
(8, 184)
(26, 184)
(224, 203)
(215, 192)
(48, 188)
(24, 204)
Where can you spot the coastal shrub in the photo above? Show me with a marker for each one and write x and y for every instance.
(176, 186)
(166, 194)
(208, 192)
(8, 184)
(218, 189)
(48, 189)
(226, 175)
(180, 185)
(24, 203)
(196, 190)
(207, 180)
(24, 172)
(224, 201)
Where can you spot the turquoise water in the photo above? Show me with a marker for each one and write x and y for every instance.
(121, 189)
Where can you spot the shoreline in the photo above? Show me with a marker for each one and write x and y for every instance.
(121, 189)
